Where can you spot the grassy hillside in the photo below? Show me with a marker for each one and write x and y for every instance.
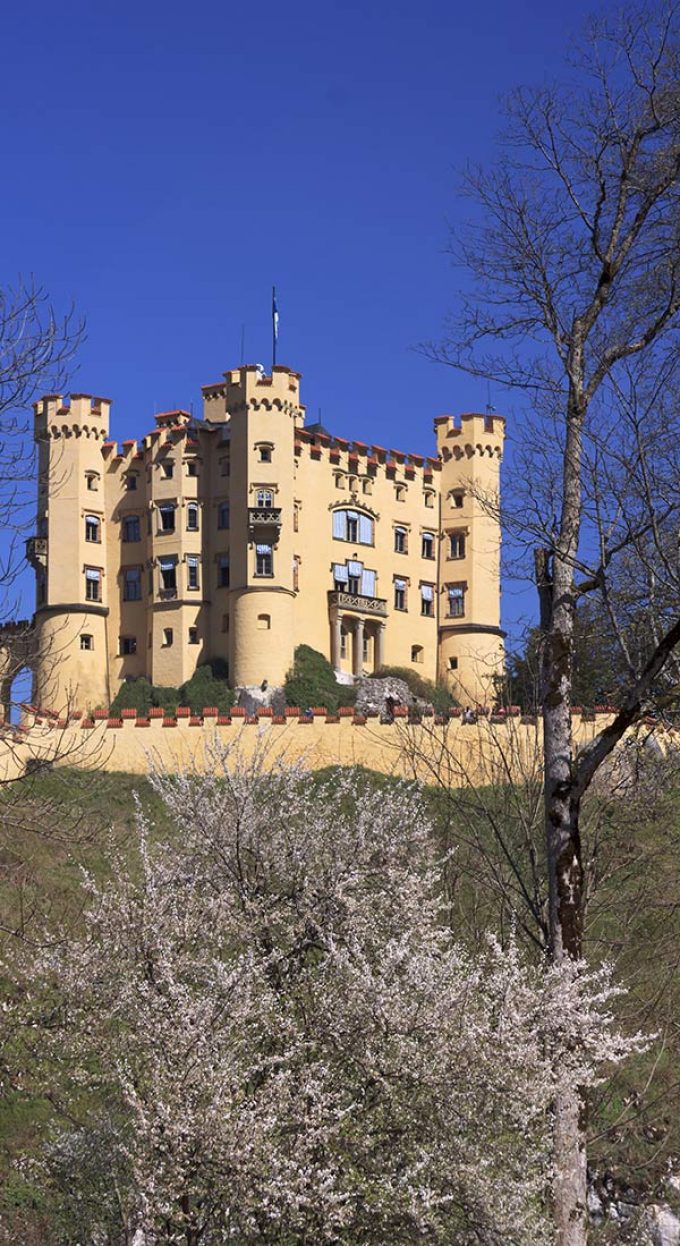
(52, 826)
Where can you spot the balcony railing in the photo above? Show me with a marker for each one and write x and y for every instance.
(357, 603)
(36, 551)
(264, 516)
(168, 594)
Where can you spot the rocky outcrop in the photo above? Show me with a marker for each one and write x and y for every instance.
(375, 696)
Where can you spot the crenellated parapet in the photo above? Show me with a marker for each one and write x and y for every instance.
(470, 435)
(249, 388)
(78, 415)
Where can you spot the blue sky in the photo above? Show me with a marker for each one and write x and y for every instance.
(165, 164)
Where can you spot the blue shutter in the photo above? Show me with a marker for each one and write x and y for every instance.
(426, 592)
(368, 584)
(340, 524)
(340, 572)
(365, 530)
(355, 569)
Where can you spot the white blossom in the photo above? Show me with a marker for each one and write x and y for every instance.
(270, 1035)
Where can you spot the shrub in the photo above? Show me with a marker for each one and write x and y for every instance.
(311, 681)
(206, 688)
(168, 698)
(424, 689)
(136, 694)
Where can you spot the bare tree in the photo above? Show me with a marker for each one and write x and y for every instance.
(36, 347)
(575, 300)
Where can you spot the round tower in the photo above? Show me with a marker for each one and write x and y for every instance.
(470, 646)
(262, 412)
(68, 554)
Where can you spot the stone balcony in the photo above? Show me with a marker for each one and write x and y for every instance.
(354, 602)
(36, 551)
(262, 518)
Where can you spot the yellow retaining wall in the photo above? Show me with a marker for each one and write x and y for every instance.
(455, 753)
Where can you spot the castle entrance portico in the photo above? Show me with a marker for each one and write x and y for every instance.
(357, 631)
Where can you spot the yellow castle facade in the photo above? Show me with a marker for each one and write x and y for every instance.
(243, 534)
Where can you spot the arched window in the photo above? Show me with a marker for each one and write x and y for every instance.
(264, 622)
(192, 516)
(92, 528)
(427, 543)
(265, 498)
(353, 526)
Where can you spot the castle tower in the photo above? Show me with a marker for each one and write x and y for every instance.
(471, 650)
(68, 553)
(262, 413)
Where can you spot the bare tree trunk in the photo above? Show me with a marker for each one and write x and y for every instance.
(565, 872)
(562, 810)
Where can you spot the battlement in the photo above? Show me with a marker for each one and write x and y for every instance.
(360, 457)
(492, 750)
(56, 415)
(250, 386)
(469, 434)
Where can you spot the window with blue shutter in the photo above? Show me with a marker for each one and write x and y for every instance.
(368, 584)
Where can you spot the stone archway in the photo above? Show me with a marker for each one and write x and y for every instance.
(17, 653)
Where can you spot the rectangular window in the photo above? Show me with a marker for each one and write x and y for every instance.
(223, 571)
(400, 541)
(193, 635)
(456, 545)
(92, 528)
(225, 466)
(132, 583)
(340, 577)
(352, 527)
(400, 594)
(192, 468)
(429, 499)
(168, 470)
(264, 562)
(86, 641)
(427, 599)
(131, 528)
(343, 643)
(427, 545)
(223, 515)
(131, 483)
(192, 517)
(168, 568)
(127, 646)
(167, 514)
(265, 454)
(457, 498)
(168, 637)
(456, 595)
(192, 572)
(93, 584)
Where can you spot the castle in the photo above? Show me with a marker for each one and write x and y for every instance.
(246, 533)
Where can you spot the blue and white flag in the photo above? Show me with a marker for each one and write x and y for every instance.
(275, 315)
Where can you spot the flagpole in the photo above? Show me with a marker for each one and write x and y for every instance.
(274, 327)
